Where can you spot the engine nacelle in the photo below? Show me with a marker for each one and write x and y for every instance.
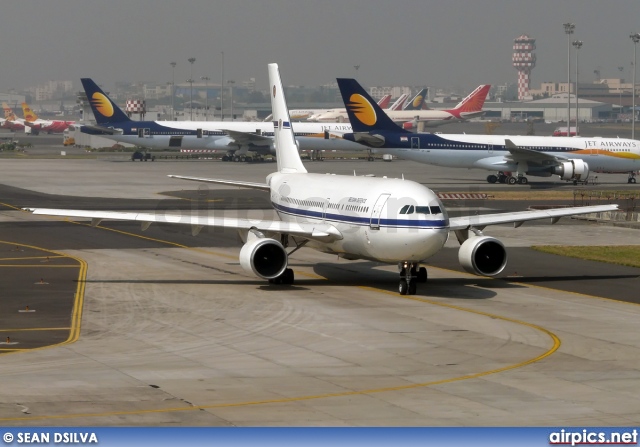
(483, 255)
(575, 169)
(264, 257)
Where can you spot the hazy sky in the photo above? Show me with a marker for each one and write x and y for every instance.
(444, 43)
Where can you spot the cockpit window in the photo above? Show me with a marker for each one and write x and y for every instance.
(404, 209)
(422, 209)
(435, 210)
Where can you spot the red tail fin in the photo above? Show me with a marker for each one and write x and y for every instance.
(475, 100)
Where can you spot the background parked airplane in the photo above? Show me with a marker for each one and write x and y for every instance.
(341, 116)
(571, 158)
(393, 221)
(307, 114)
(39, 125)
(235, 137)
(469, 107)
(11, 121)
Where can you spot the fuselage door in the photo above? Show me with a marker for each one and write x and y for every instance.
(415, 142)
(374, 223)
(144, 132)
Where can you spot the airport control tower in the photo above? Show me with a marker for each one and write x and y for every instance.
(524, 60)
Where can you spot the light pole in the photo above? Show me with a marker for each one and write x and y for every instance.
(577, 44)
(230, 82)
(191, 61)
(206, 80)
(635, 37)
(568, 29)
(173, 86)
(620, 69)
(222, 91)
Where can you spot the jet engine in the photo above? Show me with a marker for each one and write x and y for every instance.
(264, 257)
(575, 169)
(483, 255)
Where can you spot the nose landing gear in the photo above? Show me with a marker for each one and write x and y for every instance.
(410, 276)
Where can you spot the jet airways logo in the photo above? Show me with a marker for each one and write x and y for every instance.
(102, 104)
(362, 109)
(417, 101)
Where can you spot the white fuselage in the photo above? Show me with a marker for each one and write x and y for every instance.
(367, 211)
(488, 152)
(182, 134)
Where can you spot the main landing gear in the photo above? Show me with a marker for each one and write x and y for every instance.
(287, 277)
(502, 177)
(632, 177)
(410, 276)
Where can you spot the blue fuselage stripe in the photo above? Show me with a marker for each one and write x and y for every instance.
(359, 220)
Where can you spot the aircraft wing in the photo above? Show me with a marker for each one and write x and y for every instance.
(518, 153)
(249, 138)
(518, 218)
(105, 130)
(240, 184)
(314, 231)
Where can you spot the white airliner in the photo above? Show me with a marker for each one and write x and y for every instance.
(512, 157)
(469, 107)
(393, 221)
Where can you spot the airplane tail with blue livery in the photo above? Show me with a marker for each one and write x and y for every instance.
(417, 103)
(365, 115)
(104, 109)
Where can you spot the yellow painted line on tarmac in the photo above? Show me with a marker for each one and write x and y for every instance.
(78, 303)
(40, 266)
(31, 257)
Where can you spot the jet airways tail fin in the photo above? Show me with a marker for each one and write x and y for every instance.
(364, 113)
(417, 102)
(475, 100)
(287, 156)
(104, 109)
(29, 115)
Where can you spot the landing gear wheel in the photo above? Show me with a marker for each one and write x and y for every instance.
(512, 180)
(502, 178)
(403, 287)
(523, 180)
(412, 288)
(287, 276)
(422, 275)
(492, 178)
(632, 180)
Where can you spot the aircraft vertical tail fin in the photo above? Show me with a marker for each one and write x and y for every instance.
(29, 114)
(475, 101)
(8, 113)
(384, 101)
(417, 101)
(364, 113)
(104, 109)
(399, 103)
(287, 156)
